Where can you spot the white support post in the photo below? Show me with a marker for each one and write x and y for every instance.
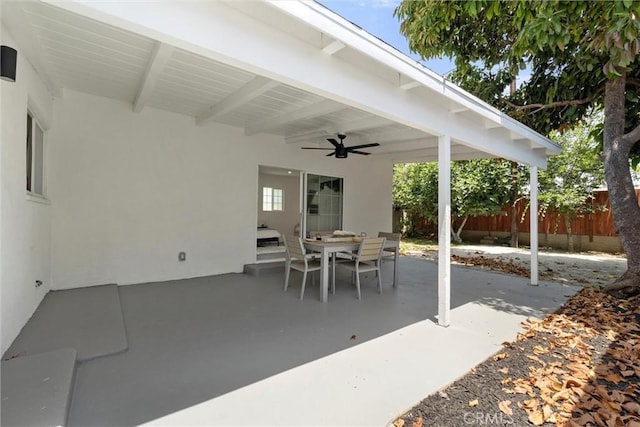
(533, 228)
(444, 229)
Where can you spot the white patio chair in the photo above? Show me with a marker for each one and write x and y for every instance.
(298, 259)
(367, 259)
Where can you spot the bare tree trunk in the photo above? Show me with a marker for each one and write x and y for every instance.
(456, 234)
(622, 196)
(567, 223)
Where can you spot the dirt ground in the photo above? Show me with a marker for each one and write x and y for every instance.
(584, 268)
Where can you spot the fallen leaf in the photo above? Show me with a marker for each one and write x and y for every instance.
(473, 403)
(399, 422)
(353, 337)
(536, 418)
(504, 370)
(504, 407)
(585, 419)
(417, 422)
(632, 407)
(500, 356)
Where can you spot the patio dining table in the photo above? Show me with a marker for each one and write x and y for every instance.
(328, 249)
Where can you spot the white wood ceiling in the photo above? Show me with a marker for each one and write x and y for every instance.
(71, 51)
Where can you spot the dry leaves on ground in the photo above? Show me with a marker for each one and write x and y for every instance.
(570, 381)
(492, 263)
(577, 367)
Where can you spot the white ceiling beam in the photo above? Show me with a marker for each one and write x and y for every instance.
(397, 136)
(371, 122)
(333, 47)
(313, 136)
(406, 83)
(458, 110)
(458, 152)
(412, 145)
(318, 109)
(490, 124)
(159, 58)
(246, 93)
(294, 62)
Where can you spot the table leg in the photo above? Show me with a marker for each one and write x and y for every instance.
(324, 276)
(396, 258)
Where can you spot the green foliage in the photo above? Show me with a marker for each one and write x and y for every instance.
(415, 188)
(567, 185)
(571, 48)
(478, 187)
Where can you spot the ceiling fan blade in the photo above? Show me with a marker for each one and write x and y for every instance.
(315, 148)
(334, 142)
(355, 147)
(331, 154)
(359, 152)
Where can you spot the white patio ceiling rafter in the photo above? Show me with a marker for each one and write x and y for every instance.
(319, 65)
(289, 68)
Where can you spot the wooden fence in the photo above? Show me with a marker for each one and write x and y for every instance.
(600, 223)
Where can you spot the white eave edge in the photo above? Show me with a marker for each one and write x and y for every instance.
(341, 29)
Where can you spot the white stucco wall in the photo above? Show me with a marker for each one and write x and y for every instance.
(131, 190)
(25, 230)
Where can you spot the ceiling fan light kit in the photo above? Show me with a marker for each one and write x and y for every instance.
(340, 151)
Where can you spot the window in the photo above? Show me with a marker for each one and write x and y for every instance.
(272, 199)
(35, 156)
(324, 203)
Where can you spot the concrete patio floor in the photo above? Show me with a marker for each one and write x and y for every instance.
(236, 350)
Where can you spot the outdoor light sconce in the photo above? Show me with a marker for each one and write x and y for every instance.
(8, 60)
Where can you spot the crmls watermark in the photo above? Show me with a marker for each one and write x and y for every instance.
(487, 419)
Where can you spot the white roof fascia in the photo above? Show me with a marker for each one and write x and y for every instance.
(341, 29)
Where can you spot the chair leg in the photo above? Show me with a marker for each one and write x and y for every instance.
(358, 283)
(287, 271)
(379, 280)
(304, 280)
(333, 274)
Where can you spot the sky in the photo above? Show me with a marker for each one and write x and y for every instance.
(376, 17)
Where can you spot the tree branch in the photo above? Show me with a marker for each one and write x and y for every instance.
(633, 82)
(633, 136)
(539, 107)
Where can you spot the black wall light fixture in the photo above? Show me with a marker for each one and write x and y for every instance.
(8, 60)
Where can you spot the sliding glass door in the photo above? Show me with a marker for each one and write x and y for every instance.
(322, 203)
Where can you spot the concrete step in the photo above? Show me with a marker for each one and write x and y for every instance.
(37, 389)
(86, 319)
(265, 267)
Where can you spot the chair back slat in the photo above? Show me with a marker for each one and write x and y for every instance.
(394, 237)
(370, 248)
(294, 247)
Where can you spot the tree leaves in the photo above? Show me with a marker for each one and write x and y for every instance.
(478, 187)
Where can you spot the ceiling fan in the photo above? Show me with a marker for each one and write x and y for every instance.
(340, 151)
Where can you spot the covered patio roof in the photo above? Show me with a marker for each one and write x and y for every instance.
(293, 69)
